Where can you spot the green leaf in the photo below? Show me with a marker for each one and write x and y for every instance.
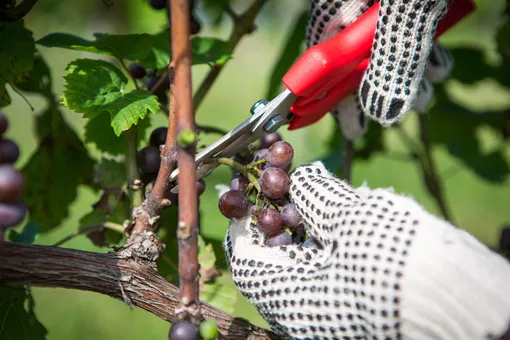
(27, 235)
(17, 50)
(70, 42)
(91, 85)
(206, 256)
(220, 293)
(38, 80)
(18, 323)
(152, 51)
(110, 174)
(128, 109)
(98, 131)
(55, 170)
(288, 55)
(503, 39)
(113, 206)
(210, 51)
(158, 56)
(456, 128)
(95, 86)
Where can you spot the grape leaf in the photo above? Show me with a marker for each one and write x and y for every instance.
(27, 235)
(38, 80)
(70, 42)
(220, 293)
(55, 170)
(503, 39)
(216, 290)
(113, 206)
(455, 127)
(110, 174)
(152, 51)
(95, 87)
(288, 56)
(99, 132)
(17, 50)
(210, 51)
(18, 323)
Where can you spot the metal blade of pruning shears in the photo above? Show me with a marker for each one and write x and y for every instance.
(266, 118)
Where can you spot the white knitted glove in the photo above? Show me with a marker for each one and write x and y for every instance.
(404, 58)
(383, 268)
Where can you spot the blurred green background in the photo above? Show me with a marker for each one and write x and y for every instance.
(478, 205)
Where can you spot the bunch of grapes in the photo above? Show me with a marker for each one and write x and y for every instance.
(272, 211)
(12, 208)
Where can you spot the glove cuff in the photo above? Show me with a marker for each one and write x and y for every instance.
(456, 290)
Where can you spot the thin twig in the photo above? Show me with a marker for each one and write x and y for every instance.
(348, 160)
(435, 187)
(91, 228)
(124, 66)
(424, 158)
(131, 148)
(243, 24)
(211, 129)
(160, 81)
(146, 219)
(187, 231)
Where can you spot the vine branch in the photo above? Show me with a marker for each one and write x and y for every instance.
(187, 229)
(119, 275)
(243, 24)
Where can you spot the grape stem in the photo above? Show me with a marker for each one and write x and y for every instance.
(91, 228)
(242, 169)
(130, 149)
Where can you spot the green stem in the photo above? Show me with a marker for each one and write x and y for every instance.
(242, 169)
(130, 146)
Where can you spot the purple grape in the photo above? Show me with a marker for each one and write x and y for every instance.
(239, 183)
(269, 221)
(255, 210)
(4, 124)
(194, 25)
(233, 204)
(274, 183)
(269, 139)
(158, 4)
(149, 159)
(137, 71)
(200, 187)
(290, 216)
(11, 184)
(183, 330)
(504, 239)
(11, 213)
(158, 136)
(280, 154)
(9, 151)
(281, 239)
(261, 154)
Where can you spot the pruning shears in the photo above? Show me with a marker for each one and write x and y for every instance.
(324, 75)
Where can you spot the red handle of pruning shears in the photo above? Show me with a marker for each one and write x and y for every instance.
(328, 72)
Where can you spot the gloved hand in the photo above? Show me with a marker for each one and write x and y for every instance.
(382, 268)
(403, 62)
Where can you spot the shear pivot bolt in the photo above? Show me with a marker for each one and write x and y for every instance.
(259, 105)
